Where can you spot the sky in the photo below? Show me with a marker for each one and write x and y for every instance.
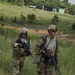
(71, 1)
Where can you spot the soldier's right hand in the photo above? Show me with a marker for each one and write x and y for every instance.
(16, 44)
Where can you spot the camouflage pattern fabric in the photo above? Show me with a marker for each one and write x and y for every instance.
(19, 51)
(18, 61)
(44, 68)
(52, 46)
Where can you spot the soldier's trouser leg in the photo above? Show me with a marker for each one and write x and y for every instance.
(41, 68)
(21, 63)
(49, 69)
(15, 66)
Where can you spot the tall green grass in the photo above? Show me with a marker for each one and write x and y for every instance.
(65, 56)
(5, 55)
(6, 59)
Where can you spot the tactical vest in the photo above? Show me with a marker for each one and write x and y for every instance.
(24, 47)
(56, 50)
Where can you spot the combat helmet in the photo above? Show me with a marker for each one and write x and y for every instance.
(52, 27)
(24, 31)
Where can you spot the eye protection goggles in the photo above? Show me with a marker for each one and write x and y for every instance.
(52, 31)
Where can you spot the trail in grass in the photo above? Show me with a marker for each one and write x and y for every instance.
(44, 31)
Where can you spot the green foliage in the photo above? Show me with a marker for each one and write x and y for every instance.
(71, 10)
(6, 58)
(31, 18)
(55, 20)
(73, 26)
(65, 27)
(40, 3)
(65, 43)
(8, 32)
(66, 54)
(66, 1)
(3, 17)
(66, 57)
(22, 19)
(15, 19)
(43, 18)
(43, 22)
(5, 53)
(34, 37)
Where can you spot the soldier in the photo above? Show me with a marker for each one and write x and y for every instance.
(21, 49)
(46, 46)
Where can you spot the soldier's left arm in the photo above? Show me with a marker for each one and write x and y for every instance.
(39, 45)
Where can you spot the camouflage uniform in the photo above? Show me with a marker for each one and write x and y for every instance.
(18, 57)
(43, 67)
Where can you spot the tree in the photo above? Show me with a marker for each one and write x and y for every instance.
(72, 10)
(65, 1)
(27, 2)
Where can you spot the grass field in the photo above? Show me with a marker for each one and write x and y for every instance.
(13, 10)
(66, 51)
(65, 55)
(10, 11)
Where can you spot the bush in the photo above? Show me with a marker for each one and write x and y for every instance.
(55, 19)
(31, 18)
(15, 19)
(2, 18)
(22, 19)
(73, 26)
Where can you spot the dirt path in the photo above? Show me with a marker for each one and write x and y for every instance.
(66, 37)
(33, 31)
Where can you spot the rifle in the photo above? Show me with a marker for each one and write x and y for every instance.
(52, 59)
(47, 55)
(25, 46)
